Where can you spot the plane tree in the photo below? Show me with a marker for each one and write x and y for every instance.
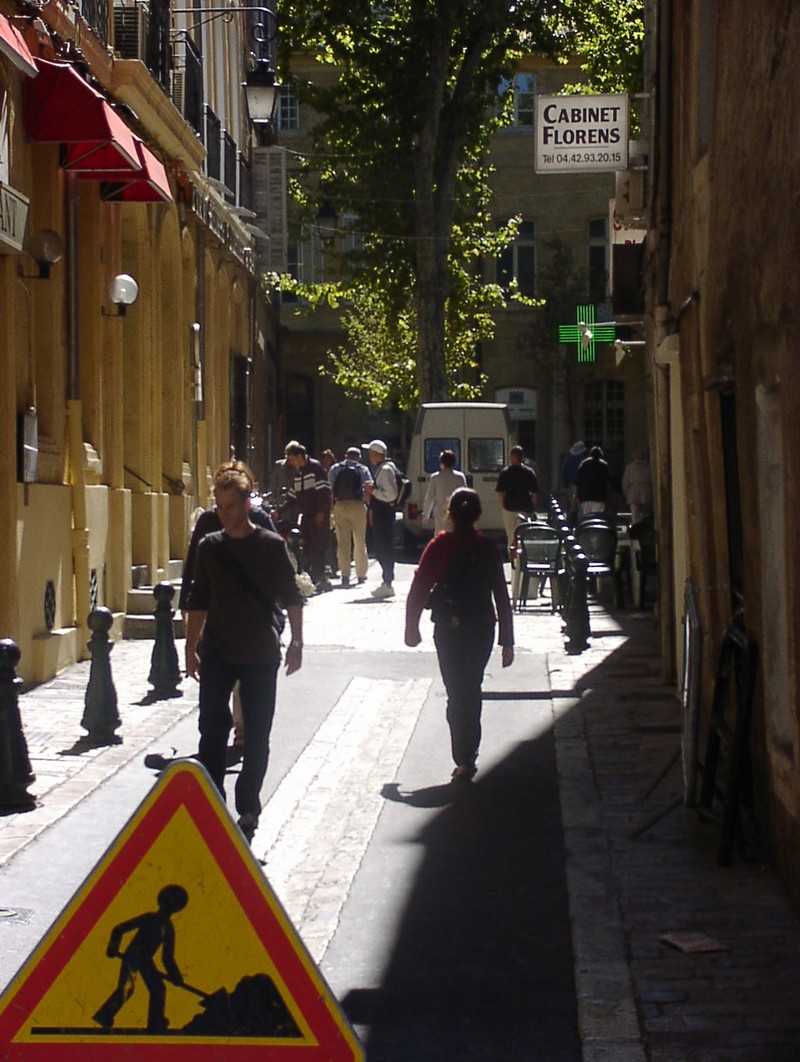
(400, 148)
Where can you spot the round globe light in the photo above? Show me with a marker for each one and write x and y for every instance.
(123, 290)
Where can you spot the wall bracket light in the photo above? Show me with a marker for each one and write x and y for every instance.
(46, 248)
(123, 291)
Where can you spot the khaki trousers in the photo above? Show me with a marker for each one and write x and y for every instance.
(350, 518)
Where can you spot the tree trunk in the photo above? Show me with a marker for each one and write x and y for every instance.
(431, 298)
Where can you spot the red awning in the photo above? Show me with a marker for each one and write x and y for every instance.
(60, 107)
(151, 185)
(14, 48)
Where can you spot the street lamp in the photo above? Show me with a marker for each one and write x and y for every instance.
(262, 92)
(327, 221)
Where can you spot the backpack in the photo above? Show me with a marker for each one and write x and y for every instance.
(348, 485)
(463, 593)
(403, 487)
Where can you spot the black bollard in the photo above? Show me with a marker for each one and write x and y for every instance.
(165, 672)
(15, 767)
(576, 608)
(100, 716)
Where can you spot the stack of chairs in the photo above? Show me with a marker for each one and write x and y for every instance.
(537, 557)
(597, 536)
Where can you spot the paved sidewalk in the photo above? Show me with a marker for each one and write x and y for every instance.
(616, 726)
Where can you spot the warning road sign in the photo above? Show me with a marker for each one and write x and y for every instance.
(175, 940)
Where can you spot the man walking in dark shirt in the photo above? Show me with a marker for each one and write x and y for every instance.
(243, 573)
(517, 491)
(591, 483)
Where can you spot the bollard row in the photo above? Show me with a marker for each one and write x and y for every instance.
(575, 609)
(15, 766)
(100, 716)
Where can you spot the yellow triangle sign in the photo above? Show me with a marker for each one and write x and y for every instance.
(174, 941)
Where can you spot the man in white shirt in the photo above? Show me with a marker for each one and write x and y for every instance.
(381, 514)
(441, 486)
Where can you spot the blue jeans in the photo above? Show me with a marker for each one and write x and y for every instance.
(382, 537)
(463, 654)
(257, 687)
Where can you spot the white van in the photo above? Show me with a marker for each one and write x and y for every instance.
(480, 435)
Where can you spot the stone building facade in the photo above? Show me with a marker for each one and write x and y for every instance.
(127, 141)
(722, 293)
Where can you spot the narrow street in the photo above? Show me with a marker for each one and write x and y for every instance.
(437, 912)
(513, 918)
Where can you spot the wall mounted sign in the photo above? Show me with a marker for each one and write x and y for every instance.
(581, 133)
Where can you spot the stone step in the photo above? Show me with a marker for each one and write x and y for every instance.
(141, 601)
(144, 627)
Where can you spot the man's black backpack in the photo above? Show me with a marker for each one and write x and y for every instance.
(403, 487)
(347, 485)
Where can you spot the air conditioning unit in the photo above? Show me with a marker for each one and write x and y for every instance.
(130, 30)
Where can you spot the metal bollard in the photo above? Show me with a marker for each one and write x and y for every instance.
(576, 608)
(165, 672)
(15, 767)
(100, 716)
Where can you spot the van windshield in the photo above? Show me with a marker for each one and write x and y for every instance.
(433, 450)
(486, 455)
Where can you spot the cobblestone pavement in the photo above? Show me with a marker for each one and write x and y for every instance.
(616, 727)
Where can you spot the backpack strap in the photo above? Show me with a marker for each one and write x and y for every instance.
(230, 562)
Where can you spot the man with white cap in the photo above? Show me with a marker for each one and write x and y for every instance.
(381, 514)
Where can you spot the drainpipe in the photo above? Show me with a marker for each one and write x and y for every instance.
(80, 530)
(201, 441)
(663, 327)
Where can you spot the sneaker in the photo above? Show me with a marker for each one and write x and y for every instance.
(323, 586)
(248, 824)
(465, 772)
(345, 583)
(380, 593)
(361, 580)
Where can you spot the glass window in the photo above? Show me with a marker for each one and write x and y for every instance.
(524, 106)
(604, 413)
(434, 447)
(288, 110)
(486, 455)
(518, 260)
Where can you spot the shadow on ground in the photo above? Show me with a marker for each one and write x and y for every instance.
(483, 965)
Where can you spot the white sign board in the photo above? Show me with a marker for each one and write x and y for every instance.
(581, 133)
(522, 402)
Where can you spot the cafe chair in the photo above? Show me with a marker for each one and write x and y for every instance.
(537, 550)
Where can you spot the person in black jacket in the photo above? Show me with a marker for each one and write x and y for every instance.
(208, 522)
(592, 482)
(242, 578)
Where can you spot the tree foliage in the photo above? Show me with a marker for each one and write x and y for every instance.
(400, 148)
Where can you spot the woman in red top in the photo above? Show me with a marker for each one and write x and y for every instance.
(459, 574)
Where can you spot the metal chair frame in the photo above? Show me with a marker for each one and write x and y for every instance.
(538, 556)
(598, 540)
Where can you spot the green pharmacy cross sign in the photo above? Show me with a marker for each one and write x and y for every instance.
(585, 333)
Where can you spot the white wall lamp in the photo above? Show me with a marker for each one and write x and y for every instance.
(123, 292)
(46, 248)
